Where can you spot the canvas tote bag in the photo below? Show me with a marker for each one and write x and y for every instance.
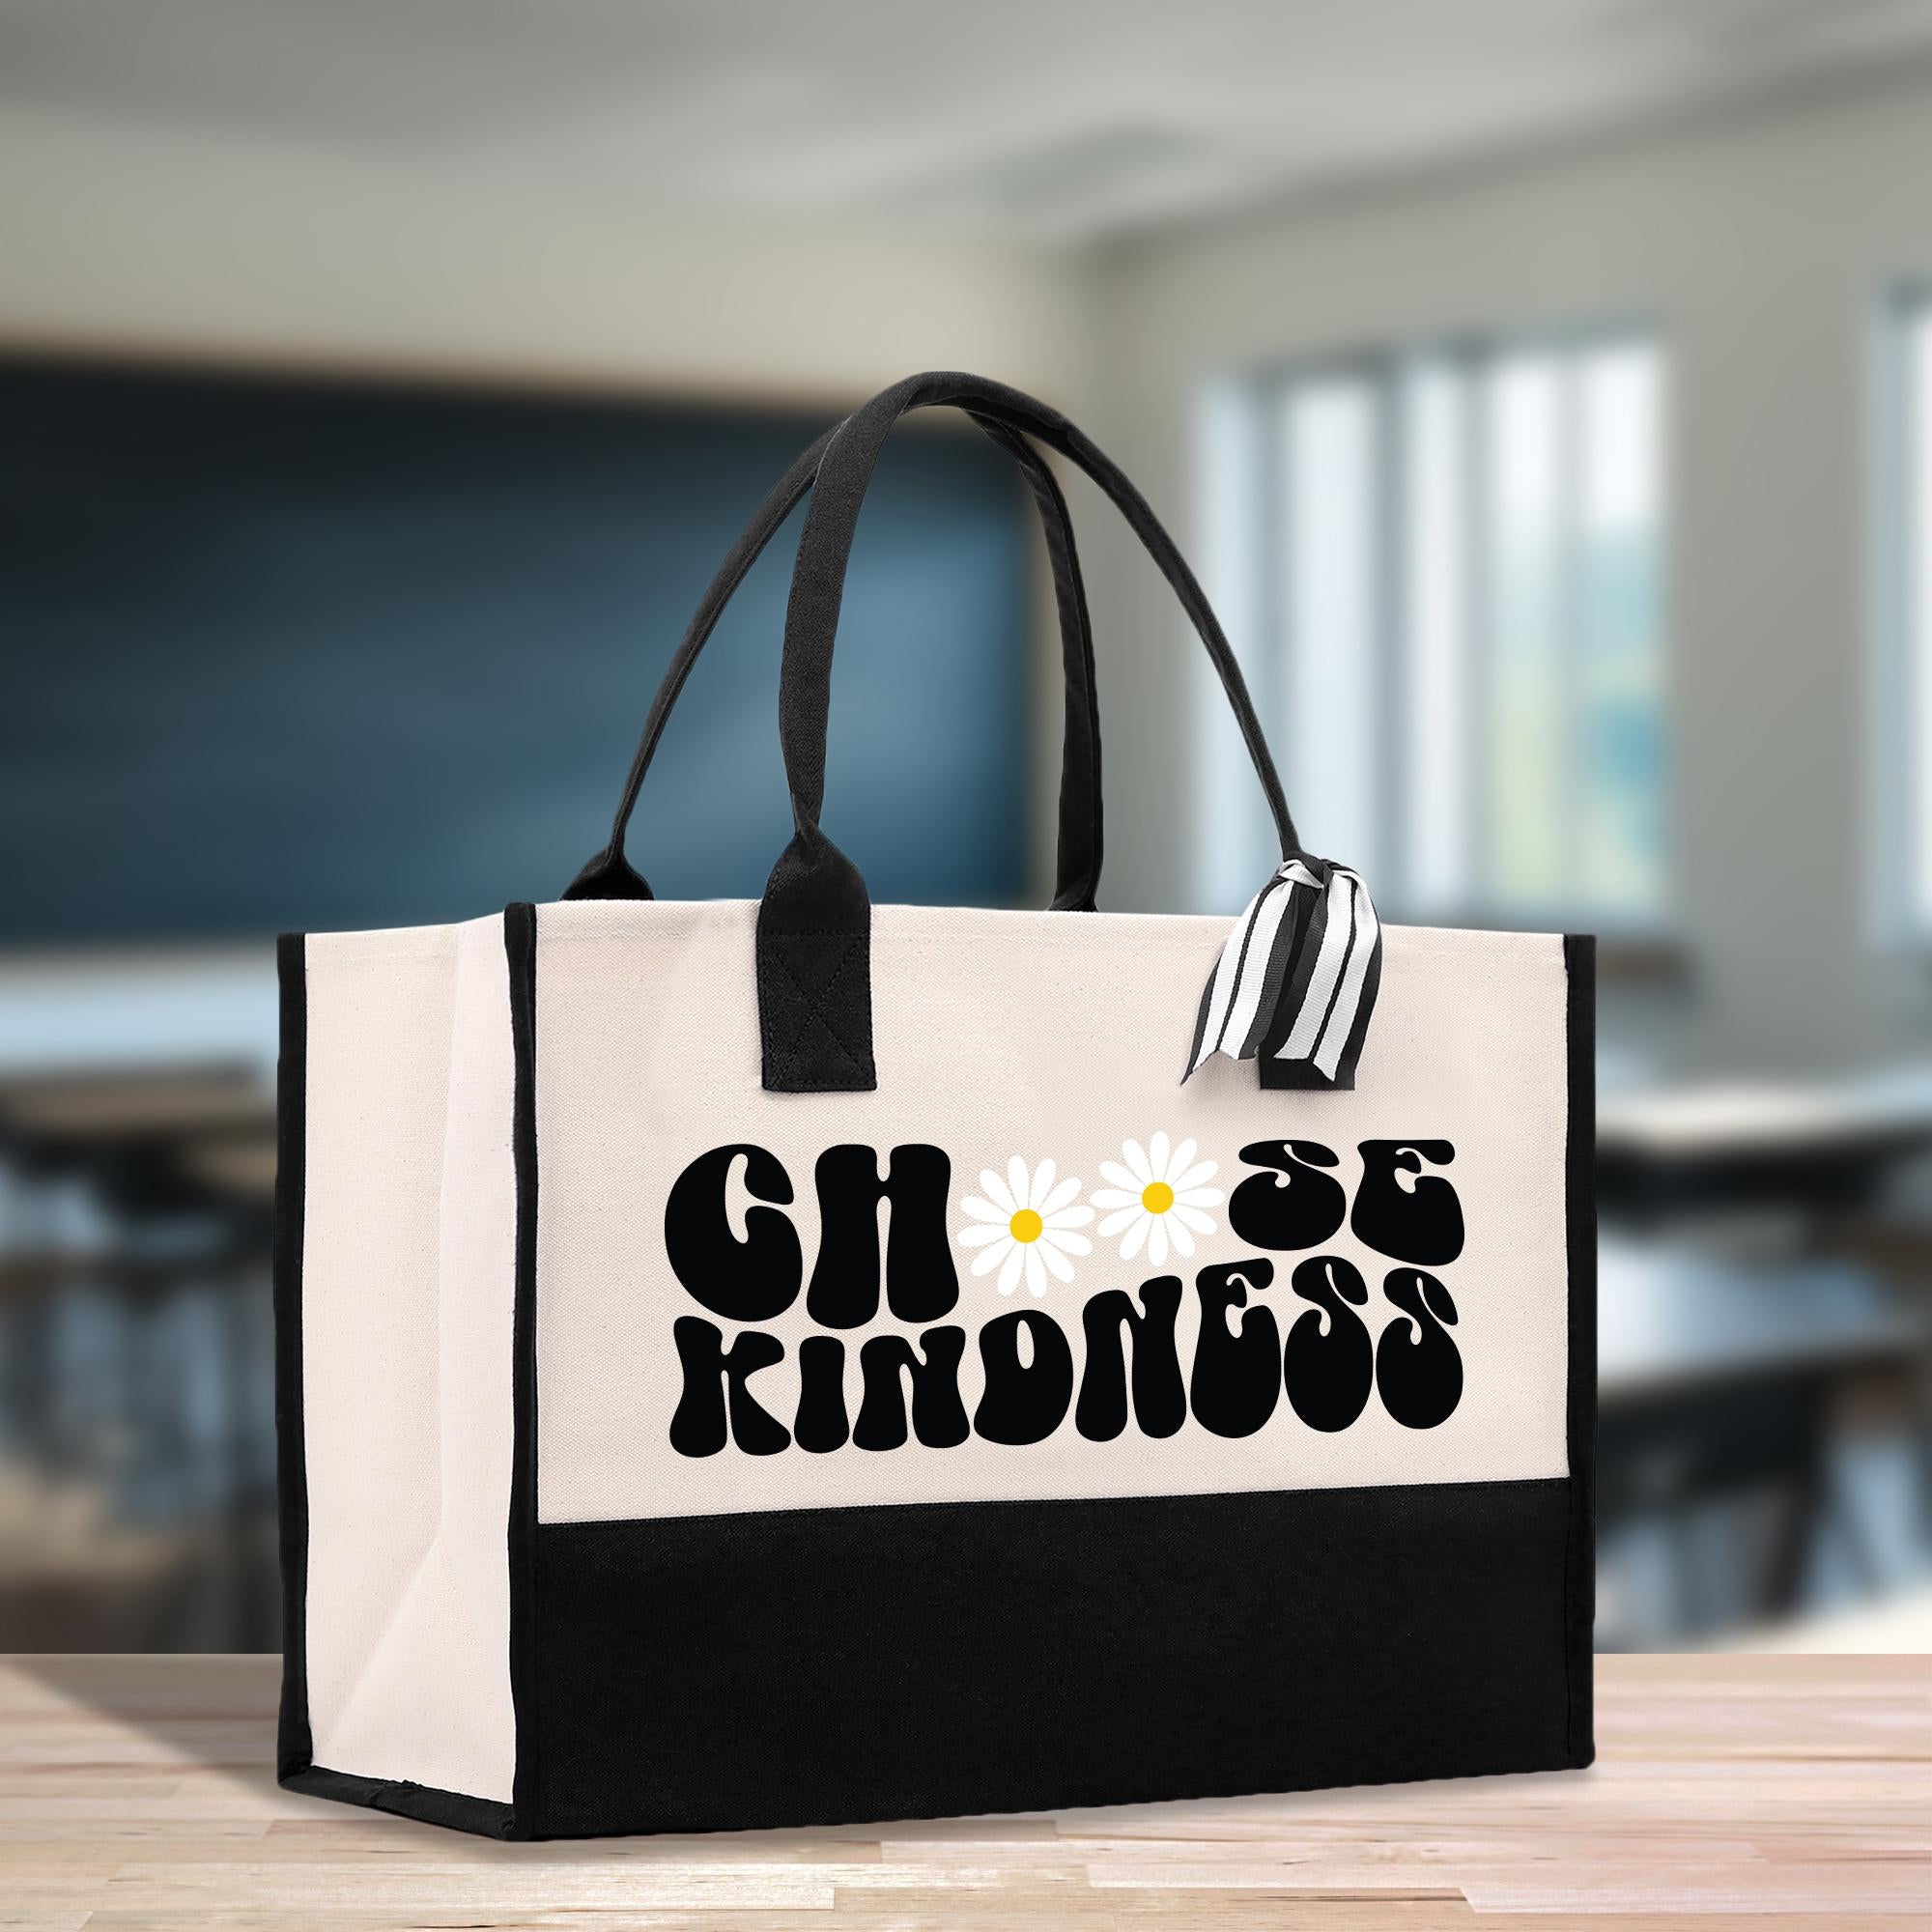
(782, 1363)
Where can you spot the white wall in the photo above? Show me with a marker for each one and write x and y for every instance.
(1760, 247)
(120, 237)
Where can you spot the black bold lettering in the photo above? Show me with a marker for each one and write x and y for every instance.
(1160, 1396)
(938, 1417)
(710, 1371)
(819, 1424)
(1419, 1367)
(1329, 1364)
(1023, 1402)
(1296, 1205)
(1402, 1217)
(920, 1285)
(744, 1281)
(1237, 1377)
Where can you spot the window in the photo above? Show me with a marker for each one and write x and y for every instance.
(1458, 563)
(1906, 434)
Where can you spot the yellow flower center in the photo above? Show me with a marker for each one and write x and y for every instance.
(1026, 1226)
(1157, 1197)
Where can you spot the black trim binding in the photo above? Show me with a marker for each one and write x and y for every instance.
(1579, 1175)
(519, 941)
(296, 1768)
(456, 1810)
(294, 1746)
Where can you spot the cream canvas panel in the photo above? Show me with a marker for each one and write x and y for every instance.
(1055, 1037)
(409, 1286)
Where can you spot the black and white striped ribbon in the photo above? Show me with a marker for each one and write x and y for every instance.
(1297, 979)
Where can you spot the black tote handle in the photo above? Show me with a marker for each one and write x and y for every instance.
(610, 876)
(814, 921)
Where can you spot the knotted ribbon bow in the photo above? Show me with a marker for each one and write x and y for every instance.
(1296, 981)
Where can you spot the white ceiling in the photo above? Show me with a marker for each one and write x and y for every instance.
(1029, 117)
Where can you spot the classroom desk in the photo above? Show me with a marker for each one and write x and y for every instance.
(1671, 1320)
(136, 1793)
(1825, 1147)
(92, 1108)
(128, 1132)
(1720, 1379)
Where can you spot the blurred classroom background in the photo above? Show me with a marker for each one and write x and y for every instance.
(1544, 386)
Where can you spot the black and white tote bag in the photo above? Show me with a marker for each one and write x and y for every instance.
(782, 1363)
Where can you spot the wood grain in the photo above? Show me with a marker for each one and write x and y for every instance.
(1730, 1791)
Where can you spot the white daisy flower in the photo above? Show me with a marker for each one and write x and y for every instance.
(1024, 1226)
(1157, 1197)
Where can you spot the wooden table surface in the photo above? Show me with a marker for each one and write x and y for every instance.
(1729, 1791)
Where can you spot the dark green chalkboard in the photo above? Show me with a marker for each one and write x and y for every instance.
(304, 655)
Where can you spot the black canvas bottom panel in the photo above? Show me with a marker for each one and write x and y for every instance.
(454, 1808)
(836, 1665)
